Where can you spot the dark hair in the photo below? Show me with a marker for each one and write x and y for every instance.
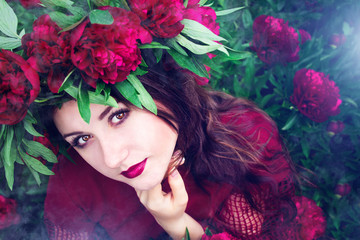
(214, 151)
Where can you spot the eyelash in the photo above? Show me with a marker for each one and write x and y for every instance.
(75, 141)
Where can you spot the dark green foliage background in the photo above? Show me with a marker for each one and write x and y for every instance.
(330, 160)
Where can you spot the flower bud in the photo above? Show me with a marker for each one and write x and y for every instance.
(335, 127)
(337, 40)
(342, 189)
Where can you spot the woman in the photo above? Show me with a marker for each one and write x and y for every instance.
(235, 176)
(206, 160)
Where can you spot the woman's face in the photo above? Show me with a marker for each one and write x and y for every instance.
(129, 145)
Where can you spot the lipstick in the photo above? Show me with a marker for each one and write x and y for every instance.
(135, 170)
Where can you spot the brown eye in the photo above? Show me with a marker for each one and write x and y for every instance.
(118, 117)
(83, 139)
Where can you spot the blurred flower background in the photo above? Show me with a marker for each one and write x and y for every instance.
(300, 62)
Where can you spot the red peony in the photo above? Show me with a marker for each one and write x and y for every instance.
(108, 52)
(30, 3)
(335, 127)
(8, 214)
(274, 41)
(310, 219)
(19, 86)
(160, 17)
(315, 95)
(48, 51)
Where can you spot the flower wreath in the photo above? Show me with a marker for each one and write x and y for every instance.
(94, 42)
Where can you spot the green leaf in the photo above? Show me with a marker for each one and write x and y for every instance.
(186, 3)
(59, 3)
(228, 11)
(7, 145)
(145, 98)
(247, 18)
(33, 172)
(2, 130)
(8, 20)
(9, 174)
(83, 102)
(187, 234)
(9, 43)
(99, 87)
(188, 63)
(94, 98)
(35, 164)
(290, 122)
(64, 21)
(208, 232)
(197, 31)
(153, 45)
(128, 91)
(196, 48)
(36, 149)
(101, 17)
(176, 46)
(30, 129)
(67, 82)
(305, 147)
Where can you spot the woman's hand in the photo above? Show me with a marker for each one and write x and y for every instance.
(169, 208)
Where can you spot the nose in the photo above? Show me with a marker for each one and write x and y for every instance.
(114, 153)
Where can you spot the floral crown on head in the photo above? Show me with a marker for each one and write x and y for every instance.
(98, 43)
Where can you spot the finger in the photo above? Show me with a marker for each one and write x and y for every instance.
(178, 188)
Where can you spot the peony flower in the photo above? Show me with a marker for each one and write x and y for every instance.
(315, 95)
(335, 127)
(19, 86)
(274, 41)
(8, 214)
(108, 52)
(160, 17)
(48, 51)
(30, 3)
(342, 189)
(310, 219)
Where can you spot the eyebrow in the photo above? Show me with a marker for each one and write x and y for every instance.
(104, 113)
(72, 133)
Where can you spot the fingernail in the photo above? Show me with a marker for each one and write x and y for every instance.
(174, 173)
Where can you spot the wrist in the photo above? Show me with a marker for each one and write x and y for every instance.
(176, 227)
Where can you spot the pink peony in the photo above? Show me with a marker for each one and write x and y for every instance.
(310, 219)
(274, 41)
(160, 17)
(343, 189)
(19, 86)
(315, 95)
(108, 52)
(48, 51)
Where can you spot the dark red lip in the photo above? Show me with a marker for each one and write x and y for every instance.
(135, 170)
